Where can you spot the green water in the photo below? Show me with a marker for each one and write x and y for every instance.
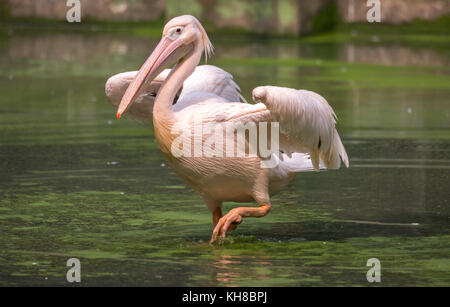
(75, 182)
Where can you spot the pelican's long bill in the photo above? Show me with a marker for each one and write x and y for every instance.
(165, 54)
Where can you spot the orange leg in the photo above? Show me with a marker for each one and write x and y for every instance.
(233, 218)
(216, 215)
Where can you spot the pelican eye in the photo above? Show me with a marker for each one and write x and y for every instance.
(175, 32)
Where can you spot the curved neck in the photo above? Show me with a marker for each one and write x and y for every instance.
(162, 109)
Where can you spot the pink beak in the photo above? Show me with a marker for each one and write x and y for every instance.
(148, 71)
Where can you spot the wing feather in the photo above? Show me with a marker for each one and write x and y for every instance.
(307, 124)
(212, 79)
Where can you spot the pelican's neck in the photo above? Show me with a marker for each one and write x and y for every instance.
(162, 109)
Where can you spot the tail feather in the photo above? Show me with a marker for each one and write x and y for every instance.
(336, 152)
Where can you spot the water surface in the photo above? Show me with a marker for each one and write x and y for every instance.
(75, 182)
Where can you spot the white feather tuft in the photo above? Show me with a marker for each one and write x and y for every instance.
(207, 45)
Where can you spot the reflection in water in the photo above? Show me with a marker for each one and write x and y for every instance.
(231, 269)
(81, 48)
(76, 48)
(227, 270)
(391, 55)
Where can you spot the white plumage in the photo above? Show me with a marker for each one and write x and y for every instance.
(214, 80)
(307, 122)
(308, 139)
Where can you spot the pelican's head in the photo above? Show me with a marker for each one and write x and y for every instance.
(181, 36)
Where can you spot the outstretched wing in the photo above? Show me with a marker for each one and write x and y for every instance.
(206, 81)
(307, 124)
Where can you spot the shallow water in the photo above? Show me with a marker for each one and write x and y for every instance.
(75, 182)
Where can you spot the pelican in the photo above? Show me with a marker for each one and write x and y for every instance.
(207, 81)
(299, 124)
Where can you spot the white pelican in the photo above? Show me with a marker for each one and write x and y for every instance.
(307, 135)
